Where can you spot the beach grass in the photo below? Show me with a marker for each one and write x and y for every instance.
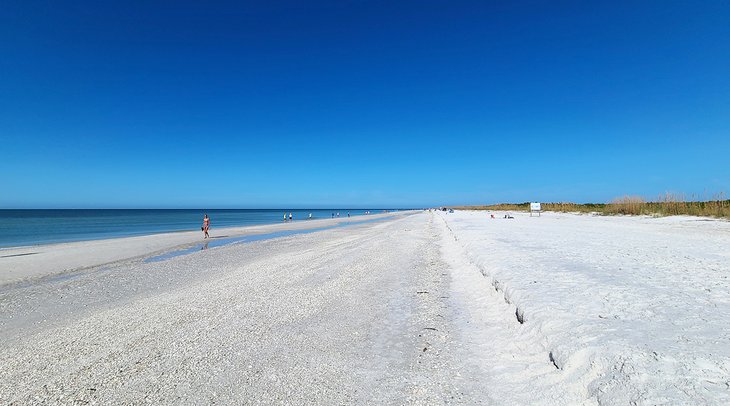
(668, 204)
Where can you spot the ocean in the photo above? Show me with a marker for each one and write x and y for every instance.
(47, 226)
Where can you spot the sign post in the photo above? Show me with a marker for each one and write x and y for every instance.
(535, 208)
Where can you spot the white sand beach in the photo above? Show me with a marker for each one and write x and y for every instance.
(419, 308)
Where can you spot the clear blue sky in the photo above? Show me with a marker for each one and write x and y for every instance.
(360, 103)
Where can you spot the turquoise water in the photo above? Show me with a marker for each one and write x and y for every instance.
(33, 227)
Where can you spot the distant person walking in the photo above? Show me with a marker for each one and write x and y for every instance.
(206, 225)
(285, 217)
(291, 217)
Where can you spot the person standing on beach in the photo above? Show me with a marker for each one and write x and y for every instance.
(284, 216)
(291, 217)
(206, 225)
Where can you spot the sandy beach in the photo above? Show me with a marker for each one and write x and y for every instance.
(416, 308)
(311, 139)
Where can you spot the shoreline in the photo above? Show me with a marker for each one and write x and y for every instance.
(57, 226)
(20, 264)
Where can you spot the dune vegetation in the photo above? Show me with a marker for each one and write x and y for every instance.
(665, 205)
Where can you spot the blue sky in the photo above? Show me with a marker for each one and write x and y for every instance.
(361, 103)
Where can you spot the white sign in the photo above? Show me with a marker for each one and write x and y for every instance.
(535, 207)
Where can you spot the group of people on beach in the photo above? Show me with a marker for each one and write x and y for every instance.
(290, 217)
(506, 216)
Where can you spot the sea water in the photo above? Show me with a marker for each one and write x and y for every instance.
(45, 226)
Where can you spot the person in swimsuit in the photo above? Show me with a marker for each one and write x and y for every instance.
(206, 225)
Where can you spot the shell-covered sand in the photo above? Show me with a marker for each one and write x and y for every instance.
(417, 308)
